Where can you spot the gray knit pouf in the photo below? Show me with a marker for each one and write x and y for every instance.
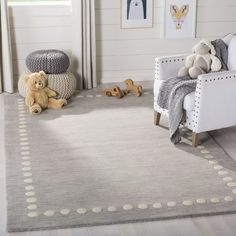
(50, 61)
(63, 84)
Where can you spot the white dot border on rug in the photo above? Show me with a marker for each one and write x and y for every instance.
(65, 211)
(187, 203)
(49, 213)
(157, 205)
(97, 209)
(81, 211)
(32, 200)
(102, 95)
(33, 214)
(129, 207)
(112, 209)
(143, 206)
(222, 172)
(201, 201)
(30, 194)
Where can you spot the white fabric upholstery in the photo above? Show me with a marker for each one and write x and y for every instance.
(190, 119)
(188, 100)
(211, 106)
(215, 96)
(227, 38)
(232, 54)
(163, 65)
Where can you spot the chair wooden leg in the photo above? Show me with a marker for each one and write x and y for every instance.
(195, 139)
(157, 117)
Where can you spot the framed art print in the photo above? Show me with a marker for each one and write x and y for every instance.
(136, 13)
(180, 19)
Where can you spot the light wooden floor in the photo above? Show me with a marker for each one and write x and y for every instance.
(224, 225)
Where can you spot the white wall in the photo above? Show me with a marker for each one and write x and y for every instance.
(35, 27)
(130, 52)
(120, 52)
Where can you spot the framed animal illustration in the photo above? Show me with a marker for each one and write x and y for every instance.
(180, 19)
(136, 13)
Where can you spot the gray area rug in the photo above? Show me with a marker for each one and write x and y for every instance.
(101, 160)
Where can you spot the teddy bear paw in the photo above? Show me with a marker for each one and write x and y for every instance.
(35, 110)
(53, 94)
(194, 72)
(62, 102)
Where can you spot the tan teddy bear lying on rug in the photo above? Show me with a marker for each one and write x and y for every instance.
(39, 96)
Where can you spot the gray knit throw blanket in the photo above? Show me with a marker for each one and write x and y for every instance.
(173, 91)
(171, 97)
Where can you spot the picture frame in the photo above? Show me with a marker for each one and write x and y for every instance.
(180, 19)
(136, 14)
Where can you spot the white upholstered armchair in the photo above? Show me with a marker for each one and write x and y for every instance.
(212, 106)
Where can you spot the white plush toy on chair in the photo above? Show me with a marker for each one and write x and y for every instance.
(201, 61)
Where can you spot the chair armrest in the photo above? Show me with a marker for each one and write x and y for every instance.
(217, 76)
(165, 68)
(168, 66)
(215, 101)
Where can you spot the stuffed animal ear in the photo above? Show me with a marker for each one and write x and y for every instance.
(213, 51)
(209, 44)
(194, 49)
(26, 78)
(42, 73)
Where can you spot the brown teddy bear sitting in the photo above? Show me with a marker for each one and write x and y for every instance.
(39, 96)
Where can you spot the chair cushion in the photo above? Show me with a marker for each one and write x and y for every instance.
(188, 100)
(227, 38)
(49, 61)
(232, 54)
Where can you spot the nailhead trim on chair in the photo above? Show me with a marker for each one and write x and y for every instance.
(158, 62)
(176, 59)
(193, 117)
(157, 69)
(172, 60)
(211, 78)
(197, 105)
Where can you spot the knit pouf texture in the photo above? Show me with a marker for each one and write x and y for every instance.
(49, 61)
(63, 84)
